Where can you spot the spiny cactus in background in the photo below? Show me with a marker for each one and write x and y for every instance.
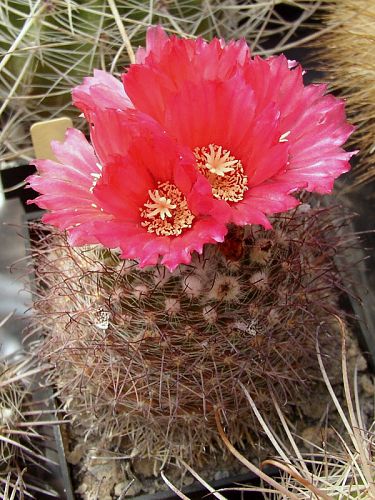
(47, 48)
(347, 55)
(22, 440)
(146, 358)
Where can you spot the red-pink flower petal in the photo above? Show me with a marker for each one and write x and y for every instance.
(267, 198)
(144, 247)
(314, 124)
(104, 204)
(223, 113)
(75, 154)
(168, 63)
(258, 109)
(100, 91)
(156, 38)
(316, 155)
(212, 112)
(112, 131)
(123, 189)
(185, 94)
(206, 230)
(65, 187)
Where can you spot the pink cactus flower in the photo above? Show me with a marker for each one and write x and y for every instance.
(139, 192)
(198, 134)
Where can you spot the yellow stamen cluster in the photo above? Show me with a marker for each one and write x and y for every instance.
(224, 172)
(166, 211)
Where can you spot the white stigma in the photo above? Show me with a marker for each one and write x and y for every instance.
(162, 206)
(218, 161)
(283, 137)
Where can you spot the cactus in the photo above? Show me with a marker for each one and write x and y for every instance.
(145, 359)
(22, 438)
(351, 25)
(48, 47)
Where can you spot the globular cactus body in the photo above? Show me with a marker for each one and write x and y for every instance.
(147, 357)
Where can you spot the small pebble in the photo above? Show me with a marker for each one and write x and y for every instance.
(144, 467)
(134, 488)
(312, 434)
(361, 363)
(75, 456)
(367, 384)
(221, 474)
(188, 480)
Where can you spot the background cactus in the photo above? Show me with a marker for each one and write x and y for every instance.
(146, 358)
(346, 55)
(23, 438)
(48, 47)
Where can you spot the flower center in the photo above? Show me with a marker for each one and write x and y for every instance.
(224, 172)
(166, 211)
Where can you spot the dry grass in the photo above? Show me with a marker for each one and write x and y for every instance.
(342, 468)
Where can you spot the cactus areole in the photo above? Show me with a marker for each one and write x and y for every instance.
(197, 135)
